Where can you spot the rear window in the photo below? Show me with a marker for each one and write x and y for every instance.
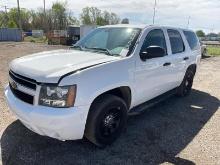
(176, 41)
(192, 39)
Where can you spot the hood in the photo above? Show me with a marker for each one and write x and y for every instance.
(48, 67)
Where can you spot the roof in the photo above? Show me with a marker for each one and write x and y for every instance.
(141, 26)
(125, 25)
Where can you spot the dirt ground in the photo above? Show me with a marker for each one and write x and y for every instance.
(176, 131)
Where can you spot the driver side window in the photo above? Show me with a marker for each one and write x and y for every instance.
(155, 38)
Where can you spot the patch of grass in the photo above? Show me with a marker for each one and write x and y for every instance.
(213, 50)
(35, 39)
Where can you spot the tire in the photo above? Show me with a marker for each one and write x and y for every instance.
(204, 53)
(106, 120)
(186, 86)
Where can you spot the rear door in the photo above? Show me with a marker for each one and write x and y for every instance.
(179, 56)
(193, 45)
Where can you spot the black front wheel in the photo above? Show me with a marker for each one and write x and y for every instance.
(106, 120)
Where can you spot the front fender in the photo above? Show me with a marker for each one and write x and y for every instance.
(97, 80)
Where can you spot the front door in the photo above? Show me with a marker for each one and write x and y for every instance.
(152, 77)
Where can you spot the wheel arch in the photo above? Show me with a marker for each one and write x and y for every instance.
(124, 92)
(192, 67)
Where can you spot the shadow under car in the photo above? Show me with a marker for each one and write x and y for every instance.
(154, 137)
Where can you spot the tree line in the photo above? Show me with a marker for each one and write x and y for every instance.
(201, 33)
(58, 17)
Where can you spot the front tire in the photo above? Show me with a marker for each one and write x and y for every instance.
(186, 86)
(106, 120)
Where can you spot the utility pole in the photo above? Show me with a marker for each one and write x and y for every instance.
(19, 15)
(44, 20)
(188, 22)
(6, 16)
(44, 8)
(155, 5)
(5, 9)
(212, 30)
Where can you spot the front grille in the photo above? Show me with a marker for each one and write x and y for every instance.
(22, 96)
(22, 87)
(24, 81)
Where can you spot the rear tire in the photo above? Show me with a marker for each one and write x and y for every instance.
(186, 86)
(204, 53)
(106, 120)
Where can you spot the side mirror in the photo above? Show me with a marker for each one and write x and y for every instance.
(152, 52)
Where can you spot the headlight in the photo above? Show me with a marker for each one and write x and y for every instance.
(55, 96)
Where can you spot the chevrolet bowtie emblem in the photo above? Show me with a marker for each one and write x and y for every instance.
(14, 85)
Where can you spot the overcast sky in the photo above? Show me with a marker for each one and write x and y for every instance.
(204, 14)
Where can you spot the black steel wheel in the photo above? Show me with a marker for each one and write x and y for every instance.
(106, 120)
(111, 122)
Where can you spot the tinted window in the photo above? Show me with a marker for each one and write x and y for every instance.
(176, 41)
(192, 39)
(155, 38)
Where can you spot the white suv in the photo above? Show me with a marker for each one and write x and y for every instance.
(90, 89)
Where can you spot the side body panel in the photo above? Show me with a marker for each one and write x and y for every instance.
(146, 80)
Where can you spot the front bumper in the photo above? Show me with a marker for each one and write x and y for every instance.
(59, 123)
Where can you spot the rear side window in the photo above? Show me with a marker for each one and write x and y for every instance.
(191, 39)
(176, 41)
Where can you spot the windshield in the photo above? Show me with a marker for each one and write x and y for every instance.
(111, 41)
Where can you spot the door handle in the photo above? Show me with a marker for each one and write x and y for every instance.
(185, 58)
(167, 64)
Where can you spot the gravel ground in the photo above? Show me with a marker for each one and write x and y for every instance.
(176, 131)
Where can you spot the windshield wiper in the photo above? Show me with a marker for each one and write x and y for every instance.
(101, 49)
(77, 47)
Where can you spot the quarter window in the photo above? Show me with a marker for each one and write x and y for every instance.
(155, 38)
(191, 39)
(176, 41)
